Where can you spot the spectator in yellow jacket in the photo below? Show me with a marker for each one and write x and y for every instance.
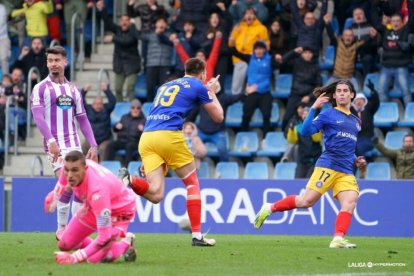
(36, 13)
(243, 37)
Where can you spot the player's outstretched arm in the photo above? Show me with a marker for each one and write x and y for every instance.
(86, 129)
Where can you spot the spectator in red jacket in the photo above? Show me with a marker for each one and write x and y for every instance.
(211, 61)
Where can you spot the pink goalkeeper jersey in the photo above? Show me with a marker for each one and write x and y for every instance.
(62, 103)
(102, 191)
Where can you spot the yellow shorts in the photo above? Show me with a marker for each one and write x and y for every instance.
(164, 147)
(324, 179)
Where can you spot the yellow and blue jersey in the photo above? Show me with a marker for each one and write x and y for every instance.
(173, 101)
(340, 131)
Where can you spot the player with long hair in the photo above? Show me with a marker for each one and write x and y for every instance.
(334, 168)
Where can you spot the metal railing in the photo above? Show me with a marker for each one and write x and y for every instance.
(100, 75)
(6, 132)
(36, 158)
(81, 56)
(29, 94)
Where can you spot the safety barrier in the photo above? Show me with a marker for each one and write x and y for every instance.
(81, 55)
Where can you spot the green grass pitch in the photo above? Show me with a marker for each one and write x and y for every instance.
(172, 254)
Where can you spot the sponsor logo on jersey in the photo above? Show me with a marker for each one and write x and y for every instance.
(64, 102)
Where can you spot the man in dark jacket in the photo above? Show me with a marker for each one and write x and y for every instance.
(365, 109)
(126, 59)
(148, 12)
(99, 115)
(396, 54)
(309, 28)
(129, 130)
(33, 57)
(306, 76)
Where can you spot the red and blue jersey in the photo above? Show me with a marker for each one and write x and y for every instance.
(173, 101)
(340, 131)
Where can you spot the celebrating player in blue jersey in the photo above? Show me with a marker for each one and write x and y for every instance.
(163, 145)
(334, 168)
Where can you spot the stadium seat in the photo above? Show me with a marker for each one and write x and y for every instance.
(348, 23)
(378, 171)
(146, 108)
(387, 115)
(256, 170)
(133, 167)
(234, 115)
(246, 144)
(121, 108)
(274, 145)
(285, 170)
(113, 166)
(212, 148)
(140, 89)
(374, 77)
(328, 58)
(394, 139)
(408, 120)
(204, 170)
(227, 170)
(395, 91)
(227, 83)
(257, 118)
(335, 25)
(283, 86)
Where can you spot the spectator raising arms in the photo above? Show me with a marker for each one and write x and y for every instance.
(126, 59)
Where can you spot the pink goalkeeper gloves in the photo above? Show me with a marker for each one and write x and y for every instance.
(78, 256)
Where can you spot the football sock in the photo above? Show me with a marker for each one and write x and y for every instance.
(63, 210)
(193, 203)
(139, 185)
(117, 249)
(76, 205)
(287, 203)
(343, 220)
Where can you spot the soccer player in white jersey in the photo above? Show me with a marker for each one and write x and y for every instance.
(55, 103)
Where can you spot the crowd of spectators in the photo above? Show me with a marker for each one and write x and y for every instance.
(252, 40)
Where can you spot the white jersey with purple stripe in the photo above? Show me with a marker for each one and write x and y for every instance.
(62, 103)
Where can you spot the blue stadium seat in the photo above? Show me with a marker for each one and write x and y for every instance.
(140, 89)
(283, 86)
(227, 83)
(246, 144)
(133, 167)
(325, 79)
(285, 170)
(408, 120)
(256, 170)
(274, 145)
(387, 115)
(394, 139)
(234, 115)
(113, 166)
(146, 108)
(257, 119)
(335, 25)
(212, 148)
(227, 170)
(378, 171)
(328, 58)
(204, 170)
(121, 108)
(348, 23)
(1, 73)
(374, 77)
